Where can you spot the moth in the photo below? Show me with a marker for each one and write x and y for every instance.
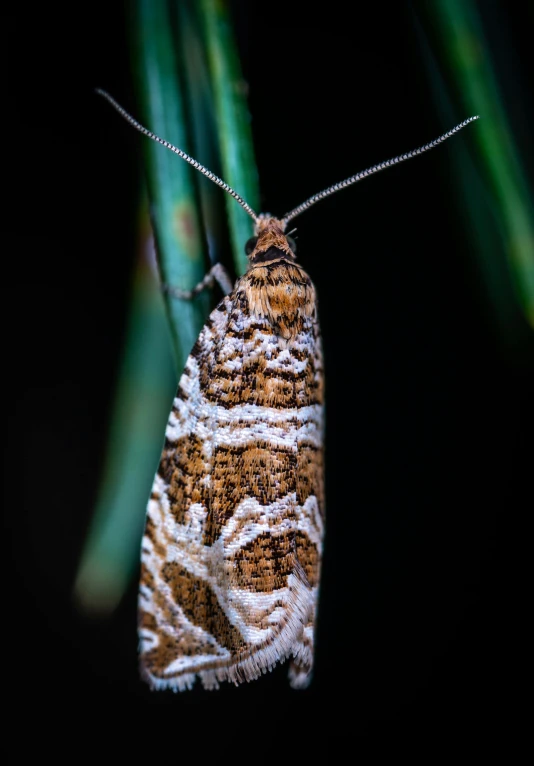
(232, 547)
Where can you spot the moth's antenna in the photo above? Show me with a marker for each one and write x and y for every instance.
(179, 152)
(387, 164)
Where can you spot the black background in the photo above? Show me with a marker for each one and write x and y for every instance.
(429, 415)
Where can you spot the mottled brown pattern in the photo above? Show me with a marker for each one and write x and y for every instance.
(281, 292)
(255, 382)
(147, 620)
(200, 605)
(263, 390)
(266, 562)
(308, 557)
(310, 474)
(257, 470)
(151, 533)
(183, 465)
(170, 646)
(146, 578)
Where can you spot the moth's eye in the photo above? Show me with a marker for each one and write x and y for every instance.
(250, 245)
(292, 244)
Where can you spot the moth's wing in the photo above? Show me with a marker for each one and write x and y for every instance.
(268, 500)
(265, 520)
(310, 499)
(232, 548)
(179, 614)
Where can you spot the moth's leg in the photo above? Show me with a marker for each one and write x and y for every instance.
(217, 273)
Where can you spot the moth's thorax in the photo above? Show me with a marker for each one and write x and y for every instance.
(272, 242)
(275, 287)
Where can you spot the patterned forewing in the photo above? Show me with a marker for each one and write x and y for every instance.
(232, 547)
(178, 610)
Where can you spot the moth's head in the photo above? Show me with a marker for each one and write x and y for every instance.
(269, 242)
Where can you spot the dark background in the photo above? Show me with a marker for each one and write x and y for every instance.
(429, 411)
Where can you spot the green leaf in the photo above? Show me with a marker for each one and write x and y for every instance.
(233, 124)
(146, 385)
(172, 185)
(499, 201)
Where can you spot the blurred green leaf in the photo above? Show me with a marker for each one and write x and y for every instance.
(146, 385)
(464, 51)
(233, 124)
(172, 186)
